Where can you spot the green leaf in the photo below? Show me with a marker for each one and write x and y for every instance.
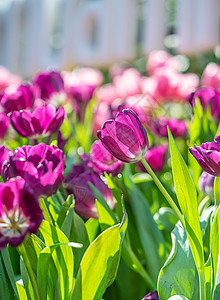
(217, 190)
(62, 257)
(151, 237)
(92, 226)
(99, 266)
(187, 198)
(26, 281)
(74, 228)
(21, 291)
(215, 254)
(6, 290)
(44, 260)
(179, 276)
(9, 269)
(165, 219)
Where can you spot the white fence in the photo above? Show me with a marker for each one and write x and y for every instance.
(35, 34)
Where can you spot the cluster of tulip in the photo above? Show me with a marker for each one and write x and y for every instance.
(48, 130)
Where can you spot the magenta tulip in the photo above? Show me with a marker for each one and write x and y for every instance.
(20, 212)
(125, 137)
(178, 128)
(49, 83)
(101, 160)
(43, 121)
(41, 166)
(155, 157)
(23, 98)
(85, 201)
(208, 156)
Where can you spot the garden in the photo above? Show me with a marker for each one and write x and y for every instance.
(110, 184)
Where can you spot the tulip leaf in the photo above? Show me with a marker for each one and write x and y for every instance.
(179, 276)
(26, 281)
(43, 267)
(99, 265)
(62, 257)
(75, 230)
(150, 236)
(7, 262)
(217, 190)
(92, 226)
(215, 255)
(187, 198)
(6, 289)
(21, 292)
(178, 297)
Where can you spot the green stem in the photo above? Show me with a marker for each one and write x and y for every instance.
(202, 286)
(27, 263)
(164, 192)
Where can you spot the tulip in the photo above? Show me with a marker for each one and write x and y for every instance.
(158, 59)
(4, 124)
(50, 83)
(43, 121)
(206, 183)
(85, 200)
(7, 80)
(125, 137)
(20, 212)
(23, 98)
(41, 166)
(208, 156)
(211, 76)
(101, 160)
(155, 157)
(4, 156)
(81, 95)
(178, 128)
(151, 296)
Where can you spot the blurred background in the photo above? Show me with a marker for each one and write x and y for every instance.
(37, 34)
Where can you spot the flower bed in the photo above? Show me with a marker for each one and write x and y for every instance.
(109, 186)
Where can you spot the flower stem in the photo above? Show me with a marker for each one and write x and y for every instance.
(164, 192)
(27, 263)
(202, 286)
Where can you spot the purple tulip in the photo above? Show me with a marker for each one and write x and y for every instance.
(41, 166)
(50, 83)
(23, 98)
(151, 296)
(4, 156)
(155, 157)
(80, 96)
(208, 156)
(101, 160)
(85, 200)
(43, 121)
(206, 183)
(207, 96)
(125, 137)
(4, 124)
(20, 212)
(178, 128)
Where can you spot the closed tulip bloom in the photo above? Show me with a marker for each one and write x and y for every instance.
(85, 200)
(50, 83)
(43, 121)
(203, 94)
(101, 160)
(125, 137)
(155, 157)
(20, 212)
(23, 98)
(178, 128)
(41, 166)
(208, 156)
